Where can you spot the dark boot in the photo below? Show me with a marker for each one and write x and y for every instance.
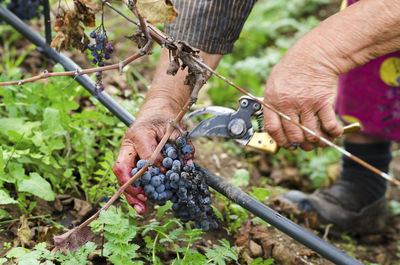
(356, 202)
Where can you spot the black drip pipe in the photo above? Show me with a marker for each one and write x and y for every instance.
(236, 195)
(47, 22)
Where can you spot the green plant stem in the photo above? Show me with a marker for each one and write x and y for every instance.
(99, 186)
(13, 150)
(172, 242)
(28, 218)
(154, 249)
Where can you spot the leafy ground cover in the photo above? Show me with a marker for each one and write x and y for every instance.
(58, 144)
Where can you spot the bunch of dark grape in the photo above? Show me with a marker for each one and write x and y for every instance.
(182, 184)
(100, 50)
(25, 9)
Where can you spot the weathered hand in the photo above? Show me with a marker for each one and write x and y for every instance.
(303, 88)
(140, 140)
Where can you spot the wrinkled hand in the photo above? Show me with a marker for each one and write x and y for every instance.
(303, 88)
(140, 139)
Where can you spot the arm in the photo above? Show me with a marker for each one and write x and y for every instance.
(164, 100)
(211, 26)
(303, 84)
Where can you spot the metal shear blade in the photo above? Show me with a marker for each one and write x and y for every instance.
(234, 124)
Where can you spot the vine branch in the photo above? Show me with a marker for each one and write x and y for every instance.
(77, 72)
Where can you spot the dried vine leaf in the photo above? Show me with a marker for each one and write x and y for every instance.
(70, 34)
(73, 239)
(156, 11)
(68, 27)
(86, 11)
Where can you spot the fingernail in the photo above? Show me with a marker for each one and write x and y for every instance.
(142, 197)
(138, 208)
(292, 148)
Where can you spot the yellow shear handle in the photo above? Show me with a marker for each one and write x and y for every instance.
(264, 142)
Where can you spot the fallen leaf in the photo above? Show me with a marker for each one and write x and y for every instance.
(47, 233)
(73, 239)
(243, 235)
(24, 232)
(156, 11)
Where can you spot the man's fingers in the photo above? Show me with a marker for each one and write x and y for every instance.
(293, 133)
(124, 163)
(145, 144)
(310, 120)
(123, 166)
(137, 204)
(329, 122)
(136, 192)
(274, 127)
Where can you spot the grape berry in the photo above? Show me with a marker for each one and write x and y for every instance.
(100, 50)
(25, 9)
(183, 185)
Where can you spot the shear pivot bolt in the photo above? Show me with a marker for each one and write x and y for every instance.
(237, 127)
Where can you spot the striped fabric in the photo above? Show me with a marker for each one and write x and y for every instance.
(210, 25)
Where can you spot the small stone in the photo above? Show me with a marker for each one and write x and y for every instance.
(255, 249)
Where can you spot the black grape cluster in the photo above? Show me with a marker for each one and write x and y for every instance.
(182, 184)
(100, 50)
(25, 9)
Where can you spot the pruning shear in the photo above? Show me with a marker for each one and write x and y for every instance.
(237, 125)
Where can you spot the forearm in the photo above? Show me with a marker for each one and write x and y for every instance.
(167, 92)
(363, 31)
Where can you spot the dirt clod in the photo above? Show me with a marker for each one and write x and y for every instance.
(255, 249)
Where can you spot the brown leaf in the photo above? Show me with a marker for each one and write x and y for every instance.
(156, 11)
(47, 233)
(86, 11)
(73, 239)
(243, 235)
(58, 41)
(71, 34)
(24, 232)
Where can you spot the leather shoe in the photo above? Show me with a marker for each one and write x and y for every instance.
(331, 209)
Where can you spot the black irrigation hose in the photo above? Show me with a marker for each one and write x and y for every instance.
(236, 195)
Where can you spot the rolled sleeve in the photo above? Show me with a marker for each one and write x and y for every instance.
(210, 25)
